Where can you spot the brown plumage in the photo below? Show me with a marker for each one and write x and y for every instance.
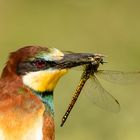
(19, 107)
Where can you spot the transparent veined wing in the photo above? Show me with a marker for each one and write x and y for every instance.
(99, 96)
(119, 77)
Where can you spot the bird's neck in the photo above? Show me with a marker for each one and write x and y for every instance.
(47, 98)
(48, 122)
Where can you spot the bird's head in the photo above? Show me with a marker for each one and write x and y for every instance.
(40, 68)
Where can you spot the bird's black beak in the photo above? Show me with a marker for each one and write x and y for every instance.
(75, 59)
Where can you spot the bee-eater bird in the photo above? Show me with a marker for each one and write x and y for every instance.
(26, 91)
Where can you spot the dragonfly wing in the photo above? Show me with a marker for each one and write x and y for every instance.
(99, 96)
(119, 77)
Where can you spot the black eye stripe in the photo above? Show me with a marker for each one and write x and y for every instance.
(35, 65)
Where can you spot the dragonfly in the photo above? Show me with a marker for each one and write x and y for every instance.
(100, 96)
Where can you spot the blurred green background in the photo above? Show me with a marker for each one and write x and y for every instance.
(108, 27)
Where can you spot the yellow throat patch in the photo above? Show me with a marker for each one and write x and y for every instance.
(45, 80)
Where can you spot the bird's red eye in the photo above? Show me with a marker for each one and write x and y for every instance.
(40, 63)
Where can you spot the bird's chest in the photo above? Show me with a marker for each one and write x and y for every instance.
(35, 132)
(20, 127)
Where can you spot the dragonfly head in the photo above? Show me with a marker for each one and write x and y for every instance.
(96, 61)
